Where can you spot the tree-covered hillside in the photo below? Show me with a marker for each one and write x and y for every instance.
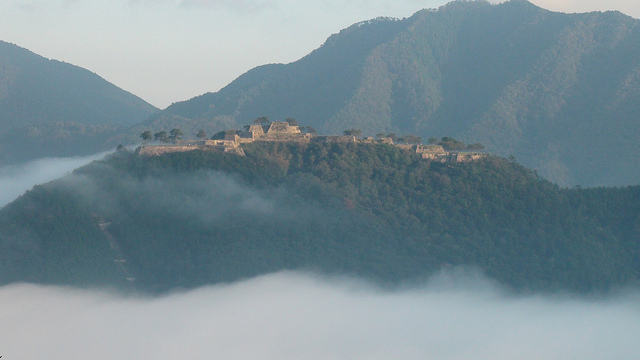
(560, 92)
(51, 108)
(372, 210)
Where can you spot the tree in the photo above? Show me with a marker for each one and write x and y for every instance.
(308, 129)
(262, 120)
(392, 136)
(222, 134)
(353, 132)
(380, 135)
(201, 134)
(432, 140)
(175, 135)
(475, 147)
(449, 143)
(412, 139)
(292, 122)
(161, 136)
(218, 136)
(146, 136)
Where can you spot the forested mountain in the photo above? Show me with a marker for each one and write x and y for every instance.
(560, 92)
(52, 108)
(371, 210)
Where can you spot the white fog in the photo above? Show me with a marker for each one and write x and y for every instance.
(299, 316)
(16, 179)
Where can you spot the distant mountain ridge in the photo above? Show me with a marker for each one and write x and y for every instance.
(560, 92)
(52, 105)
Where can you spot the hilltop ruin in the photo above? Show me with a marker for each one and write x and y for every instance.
(277, 131)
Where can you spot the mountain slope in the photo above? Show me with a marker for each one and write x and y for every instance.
(375, 211)
(560, 92)
(41, 97)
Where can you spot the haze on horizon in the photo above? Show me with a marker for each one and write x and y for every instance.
(172, 50)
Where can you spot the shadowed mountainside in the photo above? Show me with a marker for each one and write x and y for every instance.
(560, 92)
(52, 108)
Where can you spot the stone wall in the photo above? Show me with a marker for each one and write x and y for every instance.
(281, 127)
(430, 149)
(283, 132)
(469, 156)
(406, 147)
(295, 137)
(155, 150)
(334, 139)
(256, 129)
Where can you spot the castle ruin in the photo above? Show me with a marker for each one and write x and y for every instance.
(280, 131)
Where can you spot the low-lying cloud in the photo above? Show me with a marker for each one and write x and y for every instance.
(210, 196)
(16, 179)
(298, 316)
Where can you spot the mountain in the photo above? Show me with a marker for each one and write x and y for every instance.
(51, 108)
(182, 220)
(560, 92)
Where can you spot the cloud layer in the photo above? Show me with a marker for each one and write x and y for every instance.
(296, 316)
(15, 180)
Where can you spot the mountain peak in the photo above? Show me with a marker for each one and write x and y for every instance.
(41, 99)
(522, 80)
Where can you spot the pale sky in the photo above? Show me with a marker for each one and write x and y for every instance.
(172, 50)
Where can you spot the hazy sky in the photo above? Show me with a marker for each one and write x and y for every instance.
(171, 50)
(293, 316)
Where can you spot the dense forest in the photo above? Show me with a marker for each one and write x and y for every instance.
(370, 210)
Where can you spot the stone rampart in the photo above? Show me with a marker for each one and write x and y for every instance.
(334, 139)
(469, 156)
(283, 132)
(281, 127)
(256, 129)
(406, 147)
(155, 150)
(295, 137)
(430, 149)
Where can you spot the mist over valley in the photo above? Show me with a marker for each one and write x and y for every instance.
(458, 184)
(16, 179)
(301, 316)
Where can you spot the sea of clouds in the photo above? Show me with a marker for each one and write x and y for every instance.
(291, 315)
(302, 316)
(16, 179)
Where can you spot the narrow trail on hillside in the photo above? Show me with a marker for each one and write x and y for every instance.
(119, 257)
